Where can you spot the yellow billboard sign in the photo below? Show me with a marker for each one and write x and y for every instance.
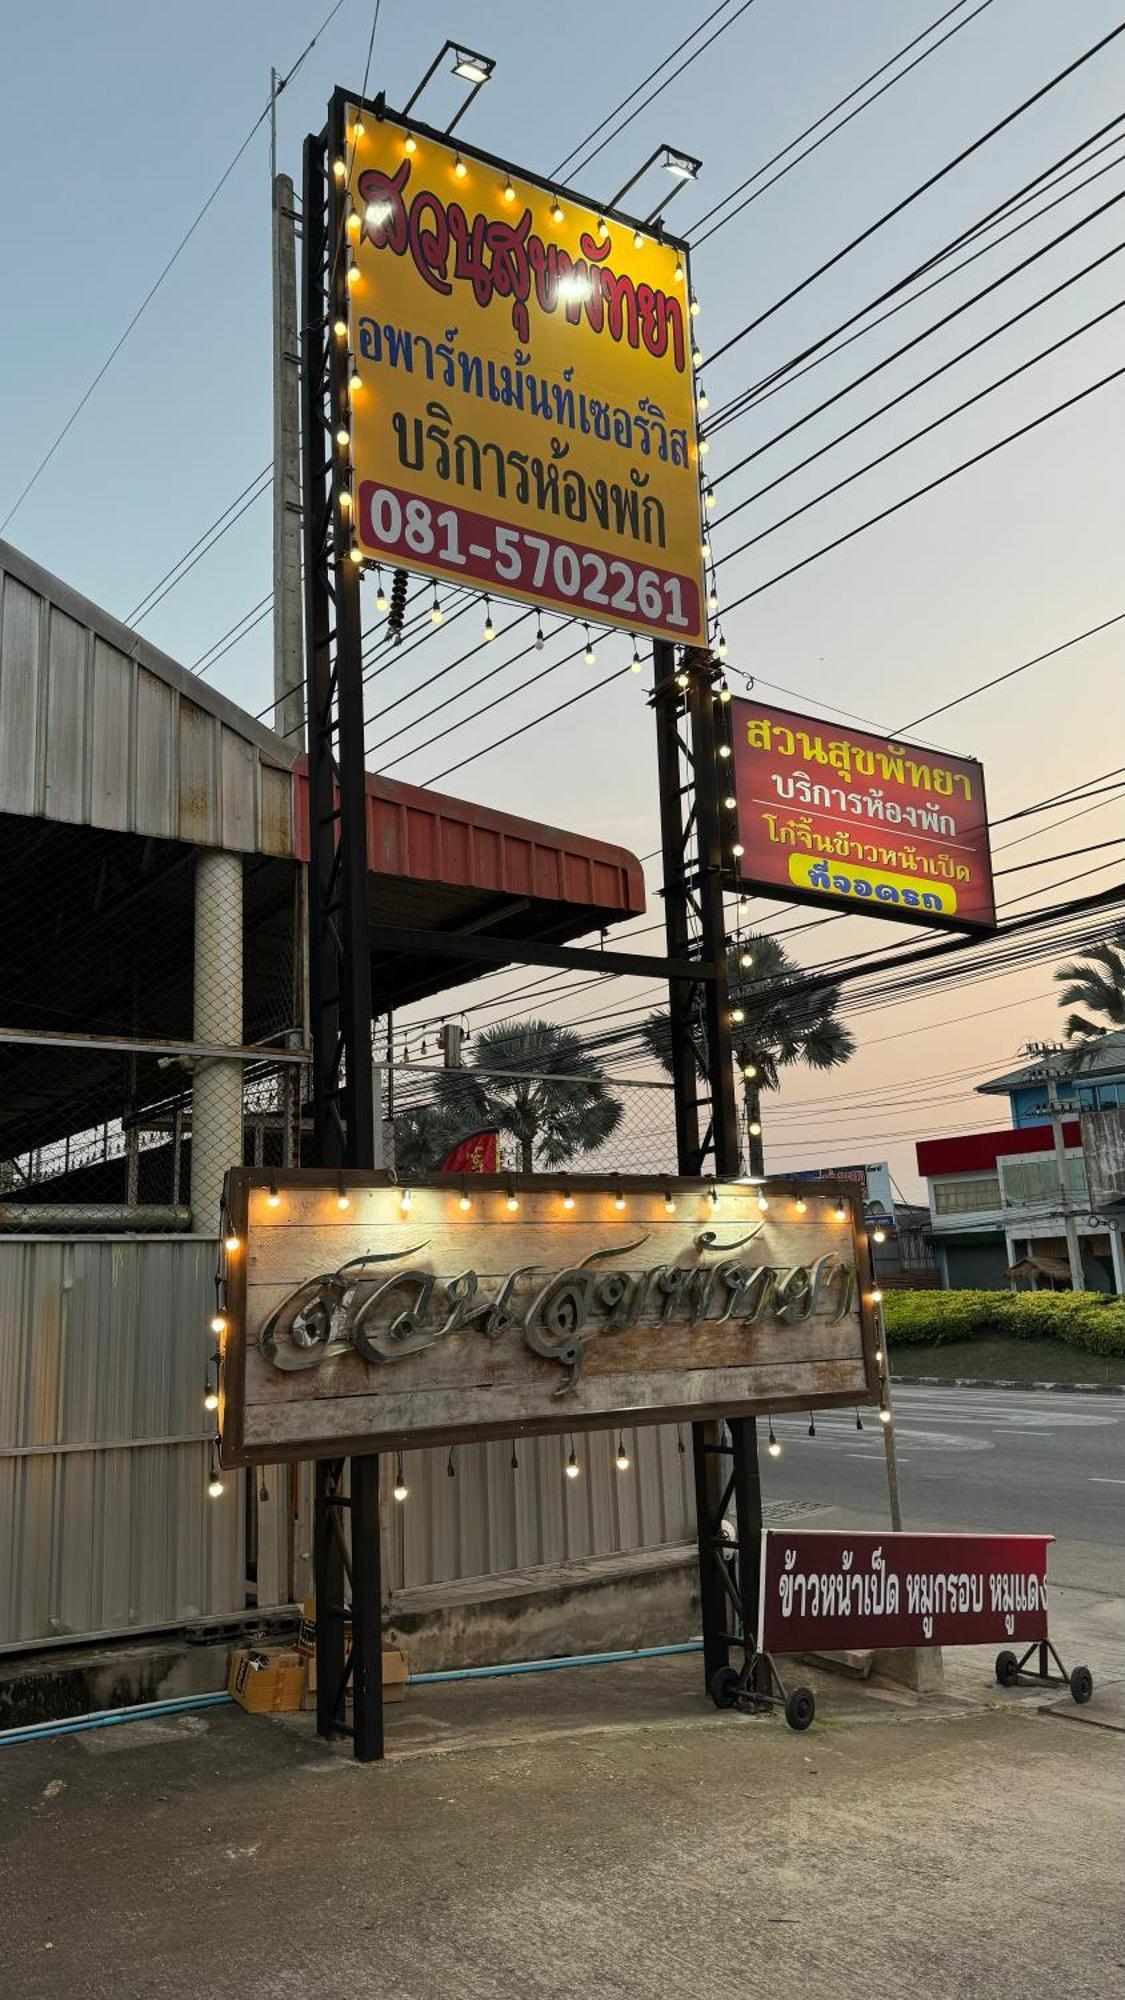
(522, 389)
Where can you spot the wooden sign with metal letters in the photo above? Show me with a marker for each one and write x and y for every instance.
(364, 1315)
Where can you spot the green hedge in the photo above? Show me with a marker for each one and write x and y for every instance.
(1089, 1320)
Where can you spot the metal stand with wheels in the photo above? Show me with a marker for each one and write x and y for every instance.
(1010, 1671)
(758, 1686)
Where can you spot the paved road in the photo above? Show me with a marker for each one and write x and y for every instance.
(997, 1459)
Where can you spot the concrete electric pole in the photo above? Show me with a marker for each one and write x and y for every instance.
(288, 631)
(1045, 1050)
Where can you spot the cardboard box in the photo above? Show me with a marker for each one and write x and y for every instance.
(267, 1680)
(396, 1675)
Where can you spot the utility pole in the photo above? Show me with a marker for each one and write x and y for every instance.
(1045, 1050)
(288, 636)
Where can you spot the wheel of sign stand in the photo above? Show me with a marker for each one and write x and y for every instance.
(800, 1707)
(1081, 1684)
(1007, 1669)
(724, 1687)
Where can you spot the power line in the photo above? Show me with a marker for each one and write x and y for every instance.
(923, 188)
(699, 240)
(181, 246)
(204, 545)
(582, 164)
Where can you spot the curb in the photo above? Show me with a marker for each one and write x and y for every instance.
(999, 1382)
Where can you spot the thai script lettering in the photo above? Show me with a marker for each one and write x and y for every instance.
(641, 427)
(894, 764)
(384, 1316)
(801, 832)
(500, 258)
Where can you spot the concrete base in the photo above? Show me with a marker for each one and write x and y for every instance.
(608, 1603)
(917, 1667)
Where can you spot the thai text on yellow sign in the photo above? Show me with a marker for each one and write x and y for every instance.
(523, 402)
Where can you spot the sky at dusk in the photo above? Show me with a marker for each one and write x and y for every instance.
(117, 123)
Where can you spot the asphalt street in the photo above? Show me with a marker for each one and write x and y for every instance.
(988, 1459)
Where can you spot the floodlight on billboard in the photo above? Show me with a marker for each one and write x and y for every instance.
(858, 822)
(522, 399)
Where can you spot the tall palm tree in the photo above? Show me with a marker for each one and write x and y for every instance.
(530, 1080)
(784, 1022)
(1096, 980)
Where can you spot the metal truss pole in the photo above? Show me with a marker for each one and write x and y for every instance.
(339, 955)
(699, 1013)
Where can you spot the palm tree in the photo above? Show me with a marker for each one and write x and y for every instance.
(784, 1021)
(531, 1080)
(1097, 981)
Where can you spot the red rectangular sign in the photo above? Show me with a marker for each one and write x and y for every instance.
(836, 816)
(828, 1591)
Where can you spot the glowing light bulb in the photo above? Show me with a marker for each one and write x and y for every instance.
(737, 850)
(749, 1073)
(343, 1200)
(459, 168)
(489, 627)
(622, 1459)
(219, 1323)
(800, 1204)
(696, 357)
(343, 439)
(215, 1488)
(406, 1199)
(839, 1211)
(273, 1199)
(358, 129)
(737, 1014)
(381, 601)
(878, 1235)
(556, 210)
(590, 655)
(724, 749)
(345, 500)
(603, 232)
(704, 446)
(568, 1200)
(703, 399)
(437, 615)
(231, 1244)
(878, 1354)
(876, 1297)
(572, 1467)
(356, 553)
(638, 239)
(693, 306)
(410, 143)
(619, 1202)
(669, 1203)
(353, 227)
(763, 1204)
(340, 329)
(884, 1416)
(355, 384)
(211, 1400)
(709, 498)
(464, 1204)
(636, 663)
(353, 275)
(401, 1489)
(721, 650)
(340, 168)
(678, 272)
(509, 190)
(512, 1204)
(773, 1446)
(712, 599)
(746, 959)
(754, 1129)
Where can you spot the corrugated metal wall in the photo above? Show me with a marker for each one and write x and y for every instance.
(107, 1524)
(491, 1516)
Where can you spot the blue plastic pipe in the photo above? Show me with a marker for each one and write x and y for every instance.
(108, 1718)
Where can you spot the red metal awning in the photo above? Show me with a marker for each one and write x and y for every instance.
(439, 863)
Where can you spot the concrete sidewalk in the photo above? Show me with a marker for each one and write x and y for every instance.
(586, 1832)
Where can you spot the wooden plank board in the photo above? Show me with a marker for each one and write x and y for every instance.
(592, 1302)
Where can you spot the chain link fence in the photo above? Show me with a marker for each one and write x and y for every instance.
(545, 1123)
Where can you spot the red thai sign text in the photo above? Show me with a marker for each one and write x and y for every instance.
(827, 1591)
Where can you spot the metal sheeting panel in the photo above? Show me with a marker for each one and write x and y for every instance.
(491, 1516)
(103, 1445)
(99, 728)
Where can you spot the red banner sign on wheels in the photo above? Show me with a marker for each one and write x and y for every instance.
(523, 410)
(829, 1591)
(839, 817)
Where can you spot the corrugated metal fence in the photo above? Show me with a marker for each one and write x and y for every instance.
(103, 1464)
(103, 1444)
